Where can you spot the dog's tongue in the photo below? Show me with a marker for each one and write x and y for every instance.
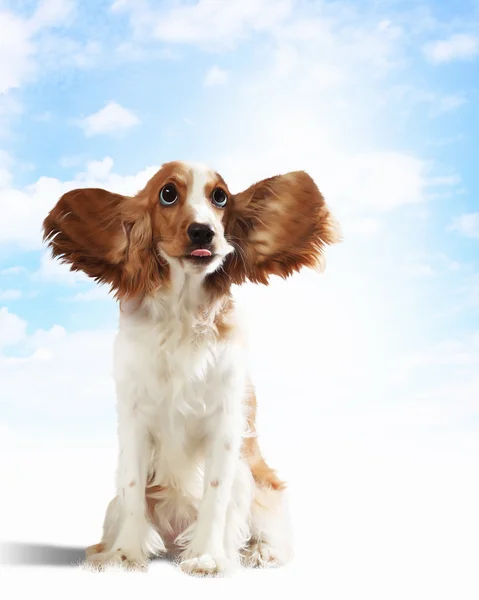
(201, 252)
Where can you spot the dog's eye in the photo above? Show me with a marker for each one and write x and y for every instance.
(219, 197)
(168, 195)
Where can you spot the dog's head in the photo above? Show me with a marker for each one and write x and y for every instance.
(186, 218)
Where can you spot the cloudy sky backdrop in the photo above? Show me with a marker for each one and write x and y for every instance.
(367, 375)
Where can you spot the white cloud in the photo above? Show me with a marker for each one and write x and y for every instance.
(447, 141)
(112, 119)
(216, 76)
(19, 43)
(96, 293)
(16, 50)
(439, 103)
(5, 165)
(467, 225)
(44, 117)
(419, 270)
(449, 103)
(50, 13)
(457, 358)
(23, 211)
(370, 176)
(362, 227)
(10, 295)
(45, 364)
(12, 328)
(53, 271)
(73, 160)
(16, 270)
(436, 263)
(219, 23)
(457, 47)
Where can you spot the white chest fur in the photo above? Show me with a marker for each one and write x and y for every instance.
(176, 377)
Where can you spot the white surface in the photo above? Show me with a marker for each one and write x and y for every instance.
(376, 513)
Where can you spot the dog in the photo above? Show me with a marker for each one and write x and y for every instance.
(191, 479)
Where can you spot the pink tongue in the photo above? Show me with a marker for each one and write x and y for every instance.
(201, 252)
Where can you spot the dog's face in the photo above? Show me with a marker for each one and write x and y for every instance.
(189, 212)
(186, 218)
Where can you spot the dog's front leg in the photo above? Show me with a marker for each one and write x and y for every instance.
(134, 538)
(205, 548)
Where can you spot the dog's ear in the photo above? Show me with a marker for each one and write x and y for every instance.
(107, 236)
(278, 226)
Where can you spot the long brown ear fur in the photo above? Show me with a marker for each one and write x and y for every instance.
(278, 226)
(108, 237)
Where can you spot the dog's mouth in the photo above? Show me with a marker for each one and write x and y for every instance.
(201, 253)
(200, 256)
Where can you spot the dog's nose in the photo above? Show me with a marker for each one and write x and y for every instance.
(200, 233)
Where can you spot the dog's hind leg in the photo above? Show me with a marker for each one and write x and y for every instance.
(270, 542)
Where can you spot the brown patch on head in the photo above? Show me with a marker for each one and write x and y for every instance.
(170, 223)
(114, 239)
(215, 182)
(123, 557)
(277, 226)
(215, 483)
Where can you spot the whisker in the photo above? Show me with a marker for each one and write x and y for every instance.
(240, 252)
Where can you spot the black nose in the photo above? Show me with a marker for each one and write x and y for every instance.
(200, 234)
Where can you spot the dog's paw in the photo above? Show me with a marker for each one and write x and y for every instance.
(95, 549)
(204, 565)
(101, 561)
(260, 554)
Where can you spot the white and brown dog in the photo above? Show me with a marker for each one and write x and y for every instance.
(190, 473)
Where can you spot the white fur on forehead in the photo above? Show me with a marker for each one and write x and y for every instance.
(197, 170)
(198, 167)
(196, 196)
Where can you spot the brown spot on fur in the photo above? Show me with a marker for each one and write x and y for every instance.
(123, 557)
(215, 483)
(155, 489)
(152, 493)
(132, 483)
(95, 549)
(262, 473)
(224, 320)
(228, 446)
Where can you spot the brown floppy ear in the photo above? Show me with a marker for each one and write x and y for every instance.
(108, 237)
(278, 226)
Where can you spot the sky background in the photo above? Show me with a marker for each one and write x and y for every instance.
(367, 375)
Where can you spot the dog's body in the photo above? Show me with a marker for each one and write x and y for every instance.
(190, 473)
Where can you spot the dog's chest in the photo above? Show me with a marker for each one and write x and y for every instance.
(174, 367)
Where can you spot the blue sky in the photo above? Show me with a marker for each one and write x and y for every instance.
(378, 101)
